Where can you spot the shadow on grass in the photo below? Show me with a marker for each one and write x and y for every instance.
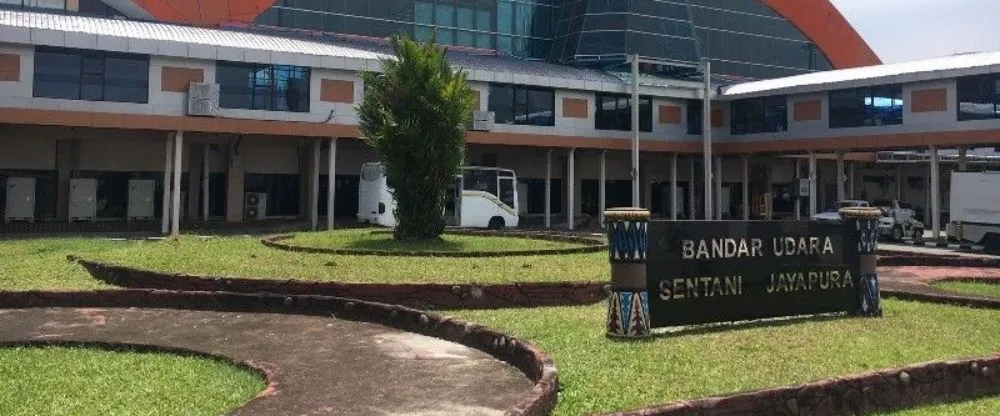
(386, 243)
(679, 331)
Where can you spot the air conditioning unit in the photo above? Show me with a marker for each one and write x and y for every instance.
(82, 199)
(20, 200)
(482, 120)
(141, 193)
(203, 99)
(254, 206)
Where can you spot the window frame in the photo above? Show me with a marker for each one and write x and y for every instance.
(268, 82)
(614, 121)
(759, 115)
(865, 113)
(988, 88)
(520, 112)
(84, 72)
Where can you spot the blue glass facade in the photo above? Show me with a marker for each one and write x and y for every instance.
(740, 37)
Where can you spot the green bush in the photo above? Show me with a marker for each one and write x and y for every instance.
(413, 115)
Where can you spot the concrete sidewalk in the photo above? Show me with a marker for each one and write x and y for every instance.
(319, 365)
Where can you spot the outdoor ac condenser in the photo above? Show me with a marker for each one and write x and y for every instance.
(254, 206)
(20, 204)
(203, 99)
(141, 197)
(82, 199)
(482, 120)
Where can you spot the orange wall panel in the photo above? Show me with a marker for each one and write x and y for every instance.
(177, 79)
(10, 67)
(925, 101)
(670, 114)
(574, 107)
(807, 110)
(336, 91)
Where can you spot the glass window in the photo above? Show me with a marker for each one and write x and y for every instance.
(263, 87)
(423, 12)
(505, 16)
(507, 191)
(91, 75)
(484, 180)
(614, 112)
(866, 106)
(694, 120)
(759, 115)
(515, 104)
(977, 97)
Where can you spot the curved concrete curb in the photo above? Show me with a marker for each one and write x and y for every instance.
(588, 245)
(938, 261)
(418, 295)
(534, 363)
(878, 391)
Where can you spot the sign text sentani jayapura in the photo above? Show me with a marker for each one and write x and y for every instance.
(701, 272)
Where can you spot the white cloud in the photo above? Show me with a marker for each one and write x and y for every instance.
(903, 30)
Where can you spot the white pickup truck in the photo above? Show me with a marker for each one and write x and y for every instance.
(975, 209)
(896, 223)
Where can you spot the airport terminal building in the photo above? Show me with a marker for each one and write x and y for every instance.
(102, 102)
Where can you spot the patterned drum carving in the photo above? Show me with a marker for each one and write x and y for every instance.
(865, 220)
(628, 303)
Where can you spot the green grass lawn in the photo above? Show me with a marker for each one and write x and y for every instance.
(973, 288)
(600, 375)
(247, 257)
(81, 381)
(367, 240)
(989, 406)
(41, 263)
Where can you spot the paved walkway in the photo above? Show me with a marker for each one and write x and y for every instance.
(320, 365)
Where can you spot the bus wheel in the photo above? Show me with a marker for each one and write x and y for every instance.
(496, 223)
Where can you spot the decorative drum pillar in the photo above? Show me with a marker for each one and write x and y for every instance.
(628, 303)
(865, 220)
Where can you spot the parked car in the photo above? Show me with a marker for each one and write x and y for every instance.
(833, 213)
(895, 224)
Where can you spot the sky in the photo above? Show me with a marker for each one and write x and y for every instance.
(906, 30)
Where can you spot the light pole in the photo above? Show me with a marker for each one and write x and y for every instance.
(706, 132)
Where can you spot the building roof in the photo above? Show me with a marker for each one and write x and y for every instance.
(290, 48)
(927, 69)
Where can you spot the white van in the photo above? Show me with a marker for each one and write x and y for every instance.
(482, 197)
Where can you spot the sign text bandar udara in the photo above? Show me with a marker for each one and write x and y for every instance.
(701, 272)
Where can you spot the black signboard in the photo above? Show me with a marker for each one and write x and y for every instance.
(722, 271)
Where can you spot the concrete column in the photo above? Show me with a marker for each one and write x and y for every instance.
(570, 188)
(798, 199)
(548, 188)
(235, 180)
(841, 186)
(673, 186)
(691, 186)
(67, 161)
(331, 183)
(602, 187)
(963, 163)
(899, 183)
(206, 153)
(175, 214)
(314, 184)
(167, 177)
(717, 187)
(195, 167)
(850, 180)
(935, 194)
(812, 183)
(746, 188)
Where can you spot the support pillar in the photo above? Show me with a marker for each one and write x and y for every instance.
(935, 194)
(331, 183)
(314, 184)
(865, 220)
(673, 187)
(746, 188)
(812, 183)
(899, 183)
(67, 161)
(602, 187)
(175, 213)
(717, 187)
(850, 180)
(798, 197)
(168, 166)
(570, 189)
(192, 209)
(548, 189)
(628, 304)
(206, 150)
(235, 183)
(841, 186)
(963, 162)
(692, 213)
